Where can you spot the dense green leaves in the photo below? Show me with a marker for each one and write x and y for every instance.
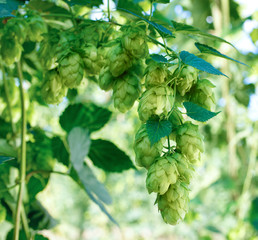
(196, 62)
(108, 156)
(198, 113)
(87, 116)
(209, 50)
(158, 129)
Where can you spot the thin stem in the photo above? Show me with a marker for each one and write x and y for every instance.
(168, 144)
(108, 4)
(22, 157)
(9, 188)
(73, 18)
(29, 175)
(25, 222)
(161, 44)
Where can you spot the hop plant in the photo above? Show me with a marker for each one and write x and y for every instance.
(16, 28)
(202, 94)
(144, 151)
(161, 174)
(53, 90)
(186, 79)
(157, 100)
(90, 58)
(156, 74)
(190, 141)
(106, 80)
(126, 90)
(119, 60)
(173, 205)
(36, 27)
(71, 69)
(10, 50)
(134, 41)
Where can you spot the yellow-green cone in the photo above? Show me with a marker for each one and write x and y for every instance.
(53, 90)
(36, 27)
(186, 79)
(161, 174)
(90, 59)
(190, 142)
(106, 80)
(71, 70)
(126, 90)
(173, 205)
(157, 100)
(119, 60)
(144, 151)
(203, 95)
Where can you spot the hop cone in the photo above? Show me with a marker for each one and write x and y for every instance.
(173, 205)
(161, 174)
(71, 70)
(36, 27)
(185, 169)
(202, 94)
(90, 58)
(106, 80)
(16, 28)
(144, 151)
(125, 91)
(53, 90)
(156, 75)
(190, 141)
(155, 101)
(187, 78)
(134, 41)
(119, 60)
(10, 50)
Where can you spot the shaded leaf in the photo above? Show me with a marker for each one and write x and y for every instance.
(209, 50)
(161, 1)
(88, 116)
(158, 129)
(158, 58)
(8, 6)
(6, 149)
(89, 3)
(184, 28)
(59, 151)
(46, 6)
(198, 113)
(5, 159)
(108, 156)
(196, 62)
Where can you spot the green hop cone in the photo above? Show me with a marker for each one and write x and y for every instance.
(119, 60)
(16, 28)
(53, 90)
(190, 142)
(134, 41)
(2, 213)
(186, 79)
(145, 152)
(161, 174)
(156, 74)
(36, 27)
(106, 80)
(71, 69)
(185, 169)
(10, 50)
(202, 94)
(173, 205)
(126, 90)
(90, 59)
(157, 100)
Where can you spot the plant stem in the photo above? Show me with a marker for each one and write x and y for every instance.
(43, 172)
(22, 157)
(168, 144)
(108, 5)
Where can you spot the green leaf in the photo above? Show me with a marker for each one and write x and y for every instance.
(79, 144)
(196, 62)
(89, 3)
(131, 5)
(209, 50)
(158, 58)
(184, 28)
(40, 237)
(253, 214)
(6, 149)
(108, 156)
(5, 159)
(35, 185)
(159, 27)
(158, 129)
(161, 1)
(47, 7)
(8, 6)
(87, 116)
(5, 127)
(198, 113)
(59, 151)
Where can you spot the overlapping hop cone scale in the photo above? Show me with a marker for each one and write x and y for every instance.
(144, 151)
(125, 91)
(161, 174)
(71, 70)
(155, 101)
(190, 142)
